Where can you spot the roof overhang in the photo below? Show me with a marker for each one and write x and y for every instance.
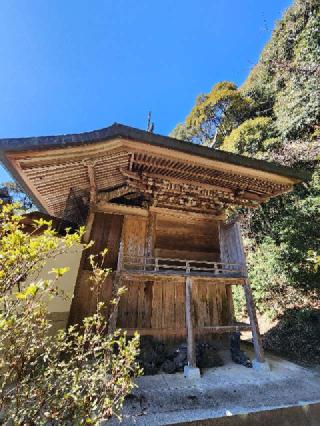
(46, 167)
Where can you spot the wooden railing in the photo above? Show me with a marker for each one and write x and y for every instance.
(161, 265)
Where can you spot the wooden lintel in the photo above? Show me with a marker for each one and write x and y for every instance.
(142, 277)
(105, 207)
(218, 329)
(219, 189)
(186, 214)
(165, 187)
(114, 193)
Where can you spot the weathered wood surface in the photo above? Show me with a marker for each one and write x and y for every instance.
(232, 250)
(106, 231)
(159, 304)
(50, 173)
(185, 237)
(155, 302)
(257, 342)
(134, 236)
(191, 343)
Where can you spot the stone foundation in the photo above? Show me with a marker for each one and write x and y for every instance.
(156, 357)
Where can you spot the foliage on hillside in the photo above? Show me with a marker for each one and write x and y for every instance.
(251, 137)
(285, 82)
(214, 115)
(279, 121)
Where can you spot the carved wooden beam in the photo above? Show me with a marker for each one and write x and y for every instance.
(105, 207)
(149, 181)
(217, 177)
(115, 193)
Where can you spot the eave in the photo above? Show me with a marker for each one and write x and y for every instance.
(21, 156)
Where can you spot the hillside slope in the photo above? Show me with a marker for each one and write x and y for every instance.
(275, 115)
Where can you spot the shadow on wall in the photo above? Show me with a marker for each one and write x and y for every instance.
(296, 336)
(59, 307)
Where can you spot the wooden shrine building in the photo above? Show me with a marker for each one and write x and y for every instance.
(159, 206)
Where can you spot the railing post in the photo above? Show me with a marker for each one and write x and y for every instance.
(156, 260)
(188, 270)
(120, 258)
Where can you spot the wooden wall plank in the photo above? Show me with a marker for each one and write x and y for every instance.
(134, 236)
(156, 318)
(186, 238)
(106, 233)
(180, 314)
(168, 291)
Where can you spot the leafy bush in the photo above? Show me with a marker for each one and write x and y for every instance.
(293, 223)
(268, 274)
(77, 376)
(266, 278)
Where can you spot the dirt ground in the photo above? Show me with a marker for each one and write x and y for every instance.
(295, 336)
(223, 391)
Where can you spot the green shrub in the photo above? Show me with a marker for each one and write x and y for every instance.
(78, 376)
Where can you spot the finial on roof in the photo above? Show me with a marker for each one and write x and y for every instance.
(150, 125)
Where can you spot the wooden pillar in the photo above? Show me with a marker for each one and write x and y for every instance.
(230, 303)
(89, 224)
(120, 264)
(257, 343)
(150, 235)
(189, 324)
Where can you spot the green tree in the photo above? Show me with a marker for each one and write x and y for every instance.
(280, 122)
(252, 136)
(182, 133)
(215, 114)
(17, 194)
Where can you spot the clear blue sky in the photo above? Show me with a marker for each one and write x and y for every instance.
(78, 65)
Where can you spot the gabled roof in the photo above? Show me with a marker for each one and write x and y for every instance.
(17, 156)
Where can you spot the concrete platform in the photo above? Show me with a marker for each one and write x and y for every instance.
(225, 392)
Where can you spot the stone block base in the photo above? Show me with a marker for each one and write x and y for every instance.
(191, 372)
(260, 366)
